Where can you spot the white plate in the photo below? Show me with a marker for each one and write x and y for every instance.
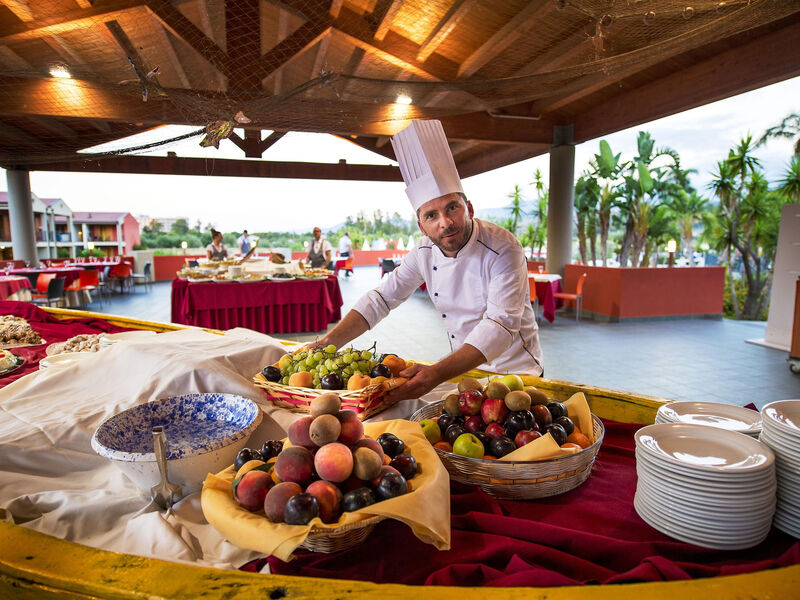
(273, 278)
(785, 414)
(704, 448)
(64, 359)
(720, 507)
(786, 449)
(113, 338)
(713, 414)
(748, 480)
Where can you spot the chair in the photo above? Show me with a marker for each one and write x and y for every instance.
(122, 273)
(144, 275)
(534, 298)
(42, 283)
(89, 281)
(577, 296)
(33, 278)
(55, 291)
(387, 266)
(347, 267)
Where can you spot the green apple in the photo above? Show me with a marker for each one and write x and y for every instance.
(431, 430)
(514, 382)
(468, 445)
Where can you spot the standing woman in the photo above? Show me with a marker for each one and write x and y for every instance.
(216, 250)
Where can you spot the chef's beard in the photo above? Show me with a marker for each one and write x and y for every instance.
(455, 243)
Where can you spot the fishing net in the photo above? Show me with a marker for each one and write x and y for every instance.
(246, 71)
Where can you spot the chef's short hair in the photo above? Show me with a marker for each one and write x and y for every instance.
(463, 197)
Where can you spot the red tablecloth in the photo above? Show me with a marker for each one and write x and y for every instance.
(51, 329)
(549, 304)
(266, 306)
(70, 274)
(13, 284)
(587, 536)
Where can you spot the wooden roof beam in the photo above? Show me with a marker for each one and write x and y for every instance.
(214, 34)
(371, 144)
(165, 44)
(322, 52)
(54, 126)
(305, 37)
(187, 31)
(519, 25)
(69, 20)
(169, 165)
(444, 28)
(20, 8)
(282, 33)
(383, 16)
(747, 66)
(498, 157)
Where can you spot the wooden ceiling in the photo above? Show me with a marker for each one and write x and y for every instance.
(499, 74)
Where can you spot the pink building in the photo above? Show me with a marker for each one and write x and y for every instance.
(113, 233)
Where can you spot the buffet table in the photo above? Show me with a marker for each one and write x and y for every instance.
(52, 482)
(546, 286)
(266, 306)
(15, 288)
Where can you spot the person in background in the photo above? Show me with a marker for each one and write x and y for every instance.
(345, 245)
(216, 250)
(244, 243)
(319, 253)
(475, 273)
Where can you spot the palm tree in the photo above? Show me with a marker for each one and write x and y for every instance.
(542, 195)
(742, 160)
(516, 208)
(608, 198)
(688, 209)
(789, 128)
(789, 186)
(586, 196)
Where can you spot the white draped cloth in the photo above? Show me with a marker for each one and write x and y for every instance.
(53, 482)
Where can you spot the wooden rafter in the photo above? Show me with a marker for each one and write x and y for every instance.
(457, 11)
(384, 15)
(336, 6)
(517, 26)
(498, 157)
(282, 32)
(67, 52)
(20, 8)
(165, 44)
(305, 37)
(54, 126)
(187, 31)
(215, 35)
(125, 44)
(319, 58)
(370, 143)
(12, 60)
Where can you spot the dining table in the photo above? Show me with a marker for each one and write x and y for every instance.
(547, 285)
(15, 287)
(69, 274)
(267, 306)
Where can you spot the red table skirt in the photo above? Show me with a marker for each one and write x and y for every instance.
(265, 306)
(51, 329)
(589, 535)
(11, 285)
(548, 302)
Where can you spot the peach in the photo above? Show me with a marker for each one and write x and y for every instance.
(295, 464)
(277, 497)
(395, 364)
(325, 429)
(300, 379)
(366, 442)
(352, 428)
(299, 434)
(252, 490)
(357, 382)
(366, 463)
(329, 498)
(248, 466)
(334, 462)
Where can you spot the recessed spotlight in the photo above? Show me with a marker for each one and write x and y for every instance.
(403, 99)
(60, 71)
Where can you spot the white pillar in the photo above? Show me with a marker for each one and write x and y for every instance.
(86, 240)
(72, 236)
(20, 213)
(561, 200)
(120, 244)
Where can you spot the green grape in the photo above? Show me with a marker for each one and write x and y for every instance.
(310, 361)
(302, 365)
(347, 358)
(347, 371)
(357, 372)
(318, 356)
(338, 362)
(330, 349)
(366, 354)
(363, 366)
(323, 370)
(285, 380)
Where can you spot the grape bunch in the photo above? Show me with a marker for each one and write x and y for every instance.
(330, 368)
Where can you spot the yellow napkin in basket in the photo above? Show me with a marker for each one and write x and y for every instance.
(426, 508)
(545, 447)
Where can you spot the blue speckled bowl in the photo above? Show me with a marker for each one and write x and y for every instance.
(204, 434)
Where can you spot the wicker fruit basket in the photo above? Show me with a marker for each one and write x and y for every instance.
(519, 480)
(333, 540)
(366, 402)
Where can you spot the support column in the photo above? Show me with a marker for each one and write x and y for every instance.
(20, 213)
(561, 199)
(120, 245)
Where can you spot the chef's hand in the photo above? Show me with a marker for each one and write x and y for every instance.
(421, 380)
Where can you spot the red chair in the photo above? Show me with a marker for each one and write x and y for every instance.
(89, 281)
(122, 273)
(42, 282)
(577, 296)
(534, 298)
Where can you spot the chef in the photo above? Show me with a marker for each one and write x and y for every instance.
(475, 273)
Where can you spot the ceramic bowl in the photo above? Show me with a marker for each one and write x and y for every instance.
(204, 434)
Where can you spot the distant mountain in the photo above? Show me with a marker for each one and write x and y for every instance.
(503, 212)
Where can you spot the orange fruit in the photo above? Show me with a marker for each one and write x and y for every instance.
(571, 445)
(576, 437)
(489, 457)
(300, 379)
(445, 446)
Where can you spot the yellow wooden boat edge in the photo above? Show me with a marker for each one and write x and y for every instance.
(34, 565)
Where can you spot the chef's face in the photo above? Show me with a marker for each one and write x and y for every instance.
(447, 221)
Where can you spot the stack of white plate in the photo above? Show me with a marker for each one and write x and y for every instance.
(712, 414)
(64, 359)
(705, 486)
(110, 339)
(782, 433)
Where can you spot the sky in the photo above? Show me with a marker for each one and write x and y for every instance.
(702, 136)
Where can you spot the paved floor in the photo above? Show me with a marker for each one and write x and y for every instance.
(677, 359)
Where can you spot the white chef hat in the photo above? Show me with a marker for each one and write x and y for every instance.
(426, 162)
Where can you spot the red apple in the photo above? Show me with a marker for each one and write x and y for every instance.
(473, 424)
(494, 410)
(541, 415)
(526, 436)
(469, 402)
(494, 430)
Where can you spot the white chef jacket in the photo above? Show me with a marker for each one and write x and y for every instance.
(482, 295)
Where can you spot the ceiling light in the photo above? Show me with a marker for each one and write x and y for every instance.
(60, 71)
(403, 99)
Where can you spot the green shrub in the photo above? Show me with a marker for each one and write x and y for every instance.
(741, 294)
